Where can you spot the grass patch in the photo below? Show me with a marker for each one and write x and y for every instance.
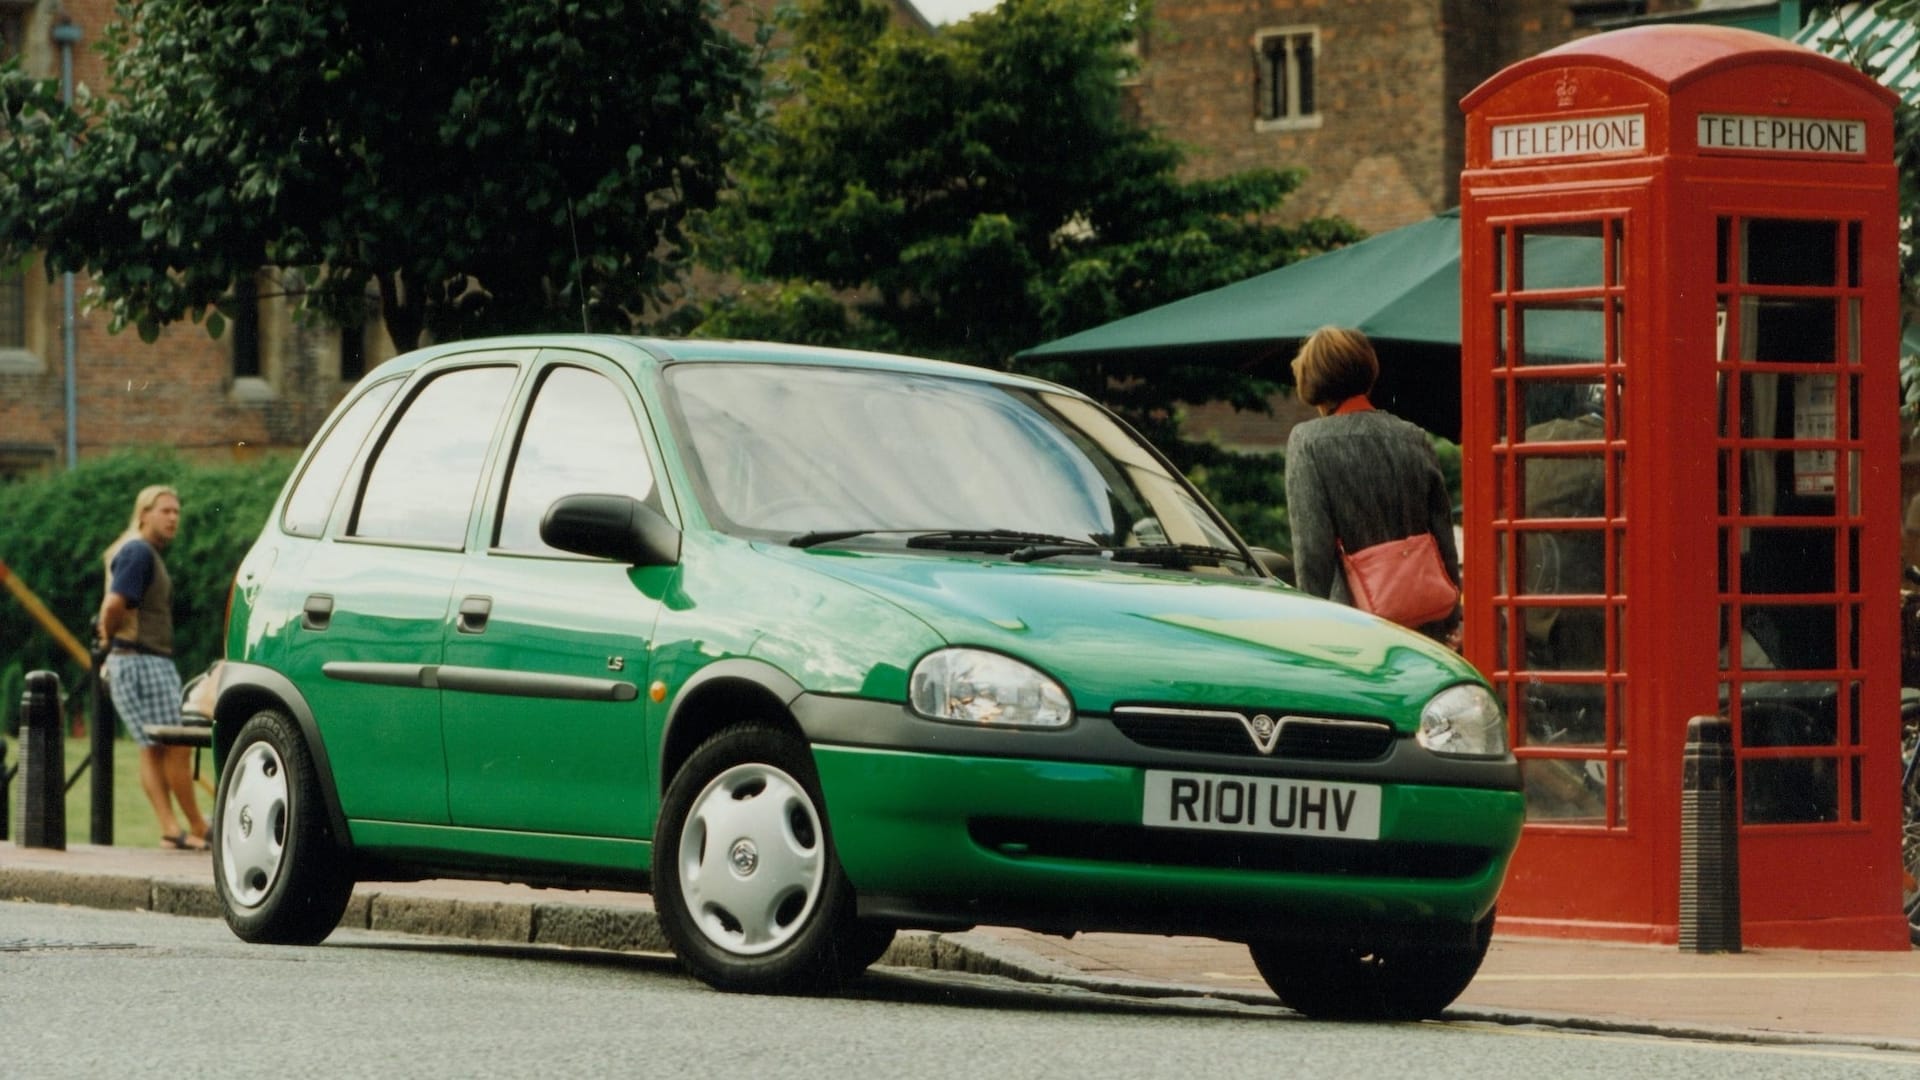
(133, 820)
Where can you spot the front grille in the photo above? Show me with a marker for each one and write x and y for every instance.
(1230, 851)
(1225, 731)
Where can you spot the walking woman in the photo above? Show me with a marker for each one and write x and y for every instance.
(1358, 476)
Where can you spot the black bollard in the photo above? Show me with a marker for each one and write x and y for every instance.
(100, 727)
(1709, 839)
(41, 817)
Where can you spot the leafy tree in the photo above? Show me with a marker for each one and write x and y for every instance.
(982, 190)
(484, 165)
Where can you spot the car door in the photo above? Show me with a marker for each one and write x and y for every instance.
(548, 652)
(374, 609)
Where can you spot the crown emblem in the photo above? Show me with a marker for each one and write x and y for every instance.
(1565, 89)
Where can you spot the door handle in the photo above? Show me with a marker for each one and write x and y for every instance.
(317, 612)
(473, 614)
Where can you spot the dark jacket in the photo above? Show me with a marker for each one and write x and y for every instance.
(1361, 478)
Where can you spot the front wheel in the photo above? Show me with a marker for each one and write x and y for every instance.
(746, 884)
(278, 870)
(1400, 982)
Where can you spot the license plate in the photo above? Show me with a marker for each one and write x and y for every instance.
(1249, 804)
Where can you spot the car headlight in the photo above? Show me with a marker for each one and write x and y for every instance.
(973, 686)
(1464, 720)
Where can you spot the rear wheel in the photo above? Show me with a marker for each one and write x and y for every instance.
(1401, 982)
(745, 880)
(278, 870)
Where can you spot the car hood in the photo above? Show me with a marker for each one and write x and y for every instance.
(1114, 635)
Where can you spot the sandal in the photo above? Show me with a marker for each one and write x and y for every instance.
(182, 841)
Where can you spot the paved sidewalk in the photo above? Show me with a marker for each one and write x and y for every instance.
(1774, 995)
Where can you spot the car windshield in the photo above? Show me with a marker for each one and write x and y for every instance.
(827, 455)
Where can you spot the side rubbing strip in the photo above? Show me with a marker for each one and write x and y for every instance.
(528, 684)
(377, 674)
(482, 681)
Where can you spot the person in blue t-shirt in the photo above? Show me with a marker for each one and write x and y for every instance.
(136, 629)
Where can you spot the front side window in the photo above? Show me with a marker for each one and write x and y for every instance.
(420, 487)
(580, 438)
(312, 498)
(1284, 64)
(785, 452)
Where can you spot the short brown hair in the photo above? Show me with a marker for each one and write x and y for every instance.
(1333, 365)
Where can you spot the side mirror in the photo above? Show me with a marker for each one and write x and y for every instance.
(1277, 564)
(616, 527)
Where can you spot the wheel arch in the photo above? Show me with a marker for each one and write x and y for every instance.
(718, 696)
(246, 689)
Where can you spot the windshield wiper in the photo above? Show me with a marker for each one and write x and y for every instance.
(1179, 556)
(996, 540)
(828, 536)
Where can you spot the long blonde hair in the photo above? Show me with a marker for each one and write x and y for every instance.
(142, 503)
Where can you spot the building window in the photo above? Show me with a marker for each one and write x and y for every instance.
(13, 30)
(13, 309)
(1285, 61)
(246, 329)
(353, 352)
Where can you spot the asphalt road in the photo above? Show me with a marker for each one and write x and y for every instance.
(93, 993)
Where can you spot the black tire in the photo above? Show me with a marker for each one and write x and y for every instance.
(745, 881)
(279, 871)
(1402, 982)
(866, 943)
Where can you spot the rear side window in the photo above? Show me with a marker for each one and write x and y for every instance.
(312, 498)
(580, 438)
(420, 487)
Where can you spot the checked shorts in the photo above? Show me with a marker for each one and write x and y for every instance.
(146, 692)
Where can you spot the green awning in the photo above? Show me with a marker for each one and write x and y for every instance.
(1886, 48)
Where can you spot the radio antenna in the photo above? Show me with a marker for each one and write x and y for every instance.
(579, 279)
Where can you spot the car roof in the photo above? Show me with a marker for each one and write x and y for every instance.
(669, 351)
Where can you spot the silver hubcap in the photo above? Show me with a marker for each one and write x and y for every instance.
(253, 825)
(751, 859)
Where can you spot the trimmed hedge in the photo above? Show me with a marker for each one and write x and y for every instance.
(55, 527)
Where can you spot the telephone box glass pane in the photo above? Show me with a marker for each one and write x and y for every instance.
(1564, 486)
(1786, 560)
(1787, 406)
(1785, 791)
(1562, 562)
(1571, 332)
(1788, 329)
(1563, 714)
(1567, 639)
(1564, 256)
(1782, 252)
(1789, 636)
(1563, 410)
(1788, 714)
(1565, 790)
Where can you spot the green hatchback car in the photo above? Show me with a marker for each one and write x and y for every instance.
(817, 645)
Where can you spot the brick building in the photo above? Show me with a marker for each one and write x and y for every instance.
(266, 383)
(1360, 93)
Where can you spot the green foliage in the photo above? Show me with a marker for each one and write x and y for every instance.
(1249, 489)
(975, 192)
(484, 165)
(54, 528)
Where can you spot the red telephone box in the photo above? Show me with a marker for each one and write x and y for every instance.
(1679, 380)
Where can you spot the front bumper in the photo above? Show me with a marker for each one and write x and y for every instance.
(936, 837)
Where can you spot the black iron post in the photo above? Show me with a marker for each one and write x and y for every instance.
(100, 743)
